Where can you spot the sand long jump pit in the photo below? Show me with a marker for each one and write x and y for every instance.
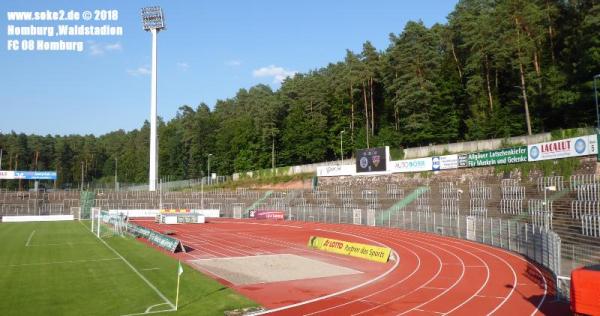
(269, 268)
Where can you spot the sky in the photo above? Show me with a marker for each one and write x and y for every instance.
(209, 50)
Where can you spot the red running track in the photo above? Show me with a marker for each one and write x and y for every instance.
(434, 275)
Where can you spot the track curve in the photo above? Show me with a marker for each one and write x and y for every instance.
(434, 275)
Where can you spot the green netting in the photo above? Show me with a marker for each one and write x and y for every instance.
(86, 202)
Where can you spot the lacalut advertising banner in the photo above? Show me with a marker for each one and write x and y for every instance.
(564, 148)
(411, 165)
(444, 162)
(337, 170)
(372, 160)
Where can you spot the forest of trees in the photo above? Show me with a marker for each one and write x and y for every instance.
(497, 68)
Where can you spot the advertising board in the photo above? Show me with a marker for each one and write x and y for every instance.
(28, 175)
(336, 170)
(373, 253)
(372, 160)
(266, 214)
(564, 148)
(411, 165)
(444, 162)
(463, 161)
(169, 243)
(498, 157)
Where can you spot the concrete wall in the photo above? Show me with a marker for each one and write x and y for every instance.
(298, 169)
(473, 146)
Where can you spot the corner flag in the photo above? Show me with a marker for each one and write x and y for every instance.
(179, 273)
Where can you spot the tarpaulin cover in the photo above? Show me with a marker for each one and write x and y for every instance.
(585, 290)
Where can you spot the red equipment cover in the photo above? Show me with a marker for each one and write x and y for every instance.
(585, 290)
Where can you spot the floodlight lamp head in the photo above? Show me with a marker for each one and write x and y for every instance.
(153, 18)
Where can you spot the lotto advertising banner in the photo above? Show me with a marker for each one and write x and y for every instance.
(498, 157)
(373, 253)
(411, 165)
(371, 160)
(564, 148)
(337, 170)
(444, 162)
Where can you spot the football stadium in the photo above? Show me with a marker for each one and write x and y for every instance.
(456, 172)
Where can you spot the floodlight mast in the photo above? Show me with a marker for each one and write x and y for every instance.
(153, 21)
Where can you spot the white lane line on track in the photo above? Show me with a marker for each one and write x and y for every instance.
(201, 241)
(264, 224)
(428, 282)
(392, 236)
(413, 236)
(29, 239)
(425, 311)
(486, 296)
(230, 244)
(380, 290)
(342, 291)
(439, 270)
(301, 248)
(475, 249)
(460, 243)
(199, 247)
(467, 243)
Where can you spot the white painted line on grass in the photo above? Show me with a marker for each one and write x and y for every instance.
(156, 290)
(149, 310)
(57, 262)
(29, 239)
(149, 269)
(62, 244)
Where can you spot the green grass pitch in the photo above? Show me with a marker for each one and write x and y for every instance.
(60, 268)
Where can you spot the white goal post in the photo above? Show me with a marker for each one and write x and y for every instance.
(105, 224)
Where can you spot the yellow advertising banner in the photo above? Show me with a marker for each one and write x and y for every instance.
(373, 253)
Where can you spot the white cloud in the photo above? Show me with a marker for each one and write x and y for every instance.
(139, 71)
(278, 73)
(234, 63)
(183, 66)
(98, 49)
(111, 47)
